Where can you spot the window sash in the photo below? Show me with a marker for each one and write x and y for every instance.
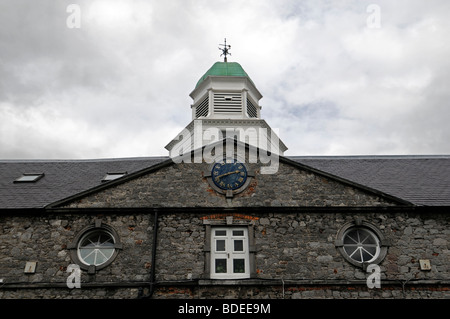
(230, 253)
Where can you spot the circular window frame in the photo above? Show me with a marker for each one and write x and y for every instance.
(75, 245)
(358, 244)
(97, 248)
(383, 242)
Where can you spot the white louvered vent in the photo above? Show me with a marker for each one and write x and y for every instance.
(203, 108)
(227, 103)
(251, 109)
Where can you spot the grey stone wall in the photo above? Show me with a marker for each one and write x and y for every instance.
(293, 246)
(184, 185)
(45, 239)
(302, 246)
(181, 241)
(295, 257)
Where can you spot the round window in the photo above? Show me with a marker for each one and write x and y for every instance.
(96, 247)
(361, 244)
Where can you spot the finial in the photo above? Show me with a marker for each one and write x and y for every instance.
(225, 50)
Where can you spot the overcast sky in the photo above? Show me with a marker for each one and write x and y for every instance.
(338, 77)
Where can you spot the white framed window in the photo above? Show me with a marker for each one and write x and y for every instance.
(361, 244)
(229, 253)
(96, 247)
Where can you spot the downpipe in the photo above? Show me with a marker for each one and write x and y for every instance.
(153, 261)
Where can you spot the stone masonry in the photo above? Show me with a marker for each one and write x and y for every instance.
(294, 250)
(184, 185)
(293, 218)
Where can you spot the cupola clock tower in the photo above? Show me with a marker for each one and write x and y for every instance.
(226, 99)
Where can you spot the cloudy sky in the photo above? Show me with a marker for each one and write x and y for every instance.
(338, 77)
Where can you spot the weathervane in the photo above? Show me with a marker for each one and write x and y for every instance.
(225, 50)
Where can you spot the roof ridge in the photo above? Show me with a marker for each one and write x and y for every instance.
(112, 159)
(433, 156)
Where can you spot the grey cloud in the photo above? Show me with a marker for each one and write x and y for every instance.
(119, 86)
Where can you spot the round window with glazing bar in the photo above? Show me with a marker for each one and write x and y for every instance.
(95, 247)
(361, 243)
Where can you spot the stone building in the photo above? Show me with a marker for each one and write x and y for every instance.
(226, 215)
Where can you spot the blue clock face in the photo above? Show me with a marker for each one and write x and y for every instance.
(229, 175)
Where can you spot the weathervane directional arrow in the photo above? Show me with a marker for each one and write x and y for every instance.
(225, 50)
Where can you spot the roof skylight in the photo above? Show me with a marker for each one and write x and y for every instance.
(29, 178)
(112, 176)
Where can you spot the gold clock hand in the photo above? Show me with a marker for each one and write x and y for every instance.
(226, 174)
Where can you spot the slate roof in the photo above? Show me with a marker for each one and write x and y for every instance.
(421, 180)
(63, 178)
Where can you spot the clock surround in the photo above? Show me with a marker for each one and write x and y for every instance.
(228, 176)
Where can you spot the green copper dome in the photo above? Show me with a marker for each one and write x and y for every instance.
(225, 69)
